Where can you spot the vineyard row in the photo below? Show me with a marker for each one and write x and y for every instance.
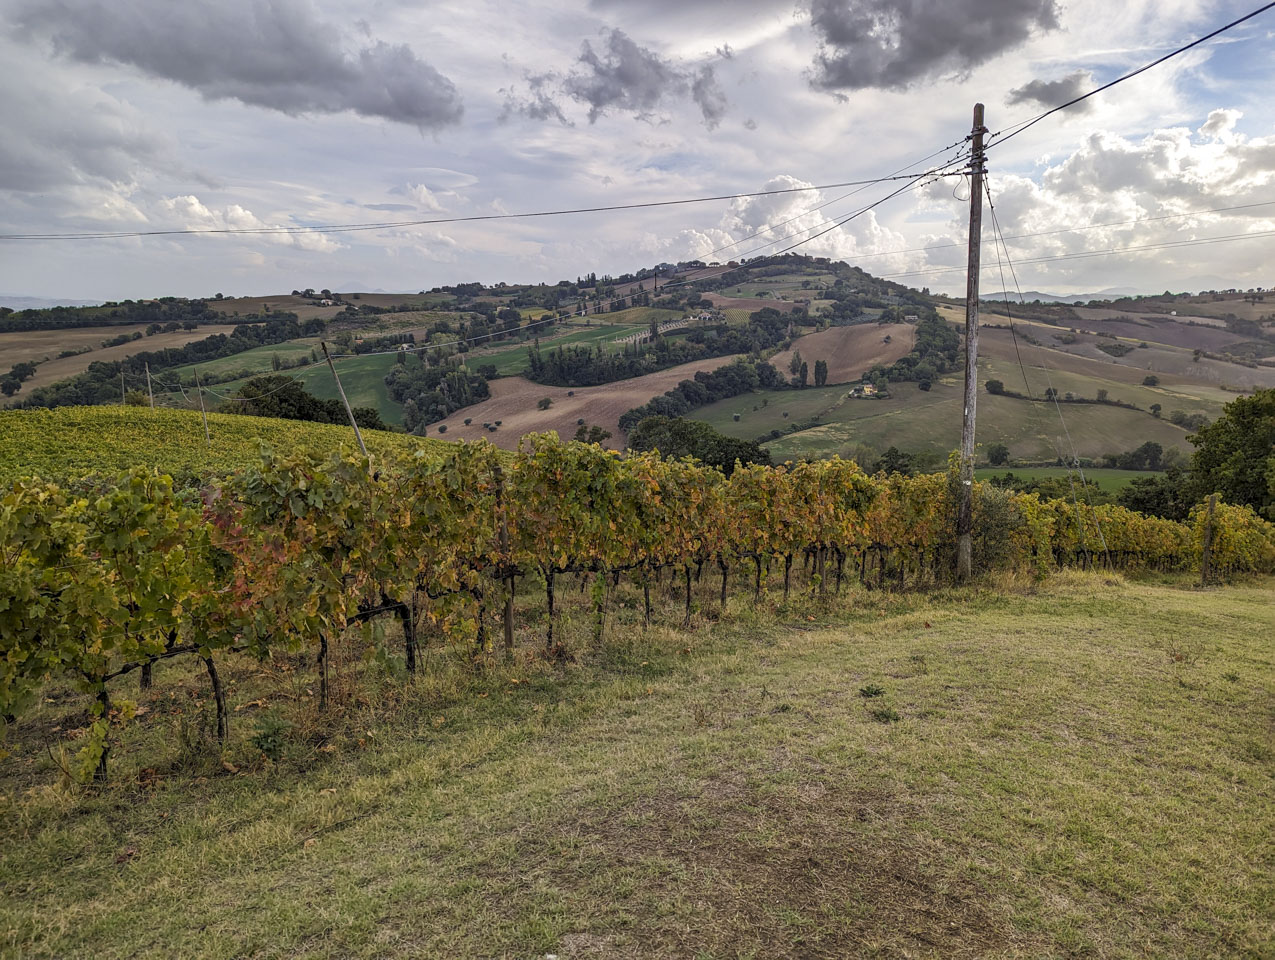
(288, 553)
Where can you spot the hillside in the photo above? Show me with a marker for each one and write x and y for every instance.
(71, 441)
(737, 794)
(1202, 351)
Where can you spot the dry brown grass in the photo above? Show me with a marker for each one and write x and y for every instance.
(850, 351)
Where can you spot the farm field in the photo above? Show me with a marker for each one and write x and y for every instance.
(55, 370)
(752, 305)
(850, 351)
(722, 794)
(1105, 478)
(513, 402)
(39, 345)
(71, 441)
(362, 376)
(258, 360)
(916, 421)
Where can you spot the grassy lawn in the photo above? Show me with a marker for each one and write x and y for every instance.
(1107, 479)
(1076, 769)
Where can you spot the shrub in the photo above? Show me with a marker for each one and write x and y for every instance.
(544, 403)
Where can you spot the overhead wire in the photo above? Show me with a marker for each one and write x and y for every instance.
(1051, 393)
(399, 224)
(1015, 129)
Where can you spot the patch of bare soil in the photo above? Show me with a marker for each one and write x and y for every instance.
(514, 403)
(850, 351)
(727, 870)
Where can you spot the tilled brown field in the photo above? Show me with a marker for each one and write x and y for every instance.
(850, 351)
(54, 370)
(513, 403)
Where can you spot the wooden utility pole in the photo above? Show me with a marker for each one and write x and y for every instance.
(202, 411)
(123, 394)
(341, 390)
(149, 389)
(965, 510)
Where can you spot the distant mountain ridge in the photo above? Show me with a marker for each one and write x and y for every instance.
(1111, 293)
(42, 303)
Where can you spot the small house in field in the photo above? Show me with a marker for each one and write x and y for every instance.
(327, 303)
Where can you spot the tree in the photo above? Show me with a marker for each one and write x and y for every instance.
(794, 365)
(544, 403)
(1102, 396)
(821, 372)
(1155, 410)
(1151, 380)
(998, 454)
(674, 437)
(996, 387)
(894, 461)
(278, 395)
(1233, 454)
(9, 386)
(803, 375)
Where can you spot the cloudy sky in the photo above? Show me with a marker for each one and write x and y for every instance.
(124, 115)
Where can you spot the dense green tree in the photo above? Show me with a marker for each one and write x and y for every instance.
(674, 437)
(998, 454)
(278, 395)
(1232, 454)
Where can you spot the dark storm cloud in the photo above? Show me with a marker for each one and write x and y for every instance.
(269, 53)
(621, 75)
(709, 96)
(1051, 93)
(893, 43)
(626, 76)
(538, 103)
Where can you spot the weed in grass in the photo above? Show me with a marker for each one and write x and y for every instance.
(885, 715)
(872, 690)
(271, 736)
(919, 664)
(1231, 677)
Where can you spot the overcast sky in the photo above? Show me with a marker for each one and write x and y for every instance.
(151, 114)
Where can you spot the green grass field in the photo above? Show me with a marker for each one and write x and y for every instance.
(1079, 768)
(68, 442)
(930, 422)
(362, 377)
(1107, 480)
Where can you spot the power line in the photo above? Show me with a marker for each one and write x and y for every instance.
(1076, 229)
(387, 225)
(1005, 137)
(1052, 393)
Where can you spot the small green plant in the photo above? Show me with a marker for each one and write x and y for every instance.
(872, 690)
(885, 715)
(271, 736)
(1231, 677)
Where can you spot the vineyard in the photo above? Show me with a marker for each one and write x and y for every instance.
(102, 580)
(70, 442)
